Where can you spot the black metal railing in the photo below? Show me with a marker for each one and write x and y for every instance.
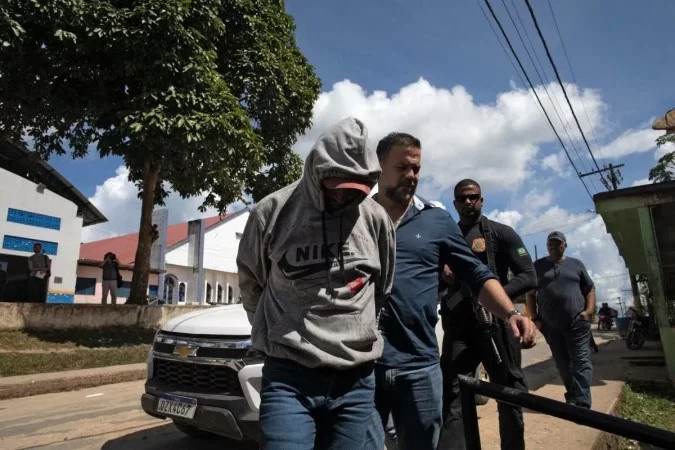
(594, 419)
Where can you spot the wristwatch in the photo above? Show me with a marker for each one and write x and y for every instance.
(513, 312)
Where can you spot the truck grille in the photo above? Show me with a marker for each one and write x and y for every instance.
(207, 377)
(206, 352)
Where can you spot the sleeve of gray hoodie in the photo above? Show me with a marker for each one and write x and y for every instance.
(252, 264)
(387, 249)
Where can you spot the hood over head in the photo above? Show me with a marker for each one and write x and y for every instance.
(342, 154)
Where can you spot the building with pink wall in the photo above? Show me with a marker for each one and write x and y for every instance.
(88, 286)
(219, 283)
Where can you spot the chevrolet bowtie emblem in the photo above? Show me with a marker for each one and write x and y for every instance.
(185, 351)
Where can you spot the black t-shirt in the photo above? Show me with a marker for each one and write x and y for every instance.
(509, 253)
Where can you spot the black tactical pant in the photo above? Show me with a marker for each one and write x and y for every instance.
(464, 348)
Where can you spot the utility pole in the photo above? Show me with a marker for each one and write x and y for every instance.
(614, 176)
(622, 305)
(536, 256)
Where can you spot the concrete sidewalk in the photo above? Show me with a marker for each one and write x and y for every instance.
(613, 366)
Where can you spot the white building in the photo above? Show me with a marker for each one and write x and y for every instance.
(182, 274)
(38, 205)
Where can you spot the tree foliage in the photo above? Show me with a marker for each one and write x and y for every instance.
(196, 95)
(664, 170)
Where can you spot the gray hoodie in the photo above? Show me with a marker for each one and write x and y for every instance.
(313, 281)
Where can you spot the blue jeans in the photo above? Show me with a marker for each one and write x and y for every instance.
(323, 408)
(572, 355)
(414, 398)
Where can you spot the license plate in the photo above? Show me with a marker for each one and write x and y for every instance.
(178, 406)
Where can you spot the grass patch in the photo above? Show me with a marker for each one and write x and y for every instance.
(40, 340)
(35, 351)
(31, 363)
(647, 404)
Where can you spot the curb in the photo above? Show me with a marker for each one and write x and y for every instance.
(605, 439)
(46, 383)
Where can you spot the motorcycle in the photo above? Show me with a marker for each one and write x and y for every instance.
(636, 333)
(605, 323)
(640, 327)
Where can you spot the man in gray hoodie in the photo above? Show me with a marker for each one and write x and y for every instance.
(316, 263)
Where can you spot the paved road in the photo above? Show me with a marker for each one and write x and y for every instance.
(110, 418)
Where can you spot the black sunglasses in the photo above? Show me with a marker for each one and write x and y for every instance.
(472, 197)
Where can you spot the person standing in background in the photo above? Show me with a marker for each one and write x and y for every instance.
(562, 307)
(111, 270)
(40, 267)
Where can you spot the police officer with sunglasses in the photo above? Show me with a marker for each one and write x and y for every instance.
(470, 335)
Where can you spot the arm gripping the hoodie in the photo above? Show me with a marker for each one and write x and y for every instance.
(387, 249)
(252, 264)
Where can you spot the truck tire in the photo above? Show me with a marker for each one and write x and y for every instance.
(481, 374)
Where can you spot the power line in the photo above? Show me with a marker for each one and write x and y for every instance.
(611, 276)
(506, 53)
(562, 86)
(559, 227)
(564, 123)
(574, 78)
(520, 64)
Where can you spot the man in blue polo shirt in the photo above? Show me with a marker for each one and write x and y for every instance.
(409, 382)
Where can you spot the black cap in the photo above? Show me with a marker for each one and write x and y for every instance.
(558, 236)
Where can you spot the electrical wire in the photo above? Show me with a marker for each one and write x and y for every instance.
(506, 53)
(574, 78)
(562, 86)
(552, 98)
(612, 276)
(520, 64)
(562, 226)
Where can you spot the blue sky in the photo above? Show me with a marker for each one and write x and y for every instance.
(619, 56)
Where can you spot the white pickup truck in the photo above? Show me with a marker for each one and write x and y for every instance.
(200, 377)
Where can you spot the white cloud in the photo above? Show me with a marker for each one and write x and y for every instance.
(629, 142)
(496, 143)
(510, 218)
(665, 148)
(499, 143)
(117, 198)
(537, 199)
(553, 218)
(641, 182)
(438, 204)
(556, 162)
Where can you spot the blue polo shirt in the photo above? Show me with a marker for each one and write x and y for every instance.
(427, 238)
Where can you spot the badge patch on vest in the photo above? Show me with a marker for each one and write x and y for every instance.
(478, 245)
(521, 251)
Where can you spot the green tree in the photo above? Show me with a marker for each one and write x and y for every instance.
(204, 96)
(664, 170)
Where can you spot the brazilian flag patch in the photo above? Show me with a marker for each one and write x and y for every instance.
(522, 251)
